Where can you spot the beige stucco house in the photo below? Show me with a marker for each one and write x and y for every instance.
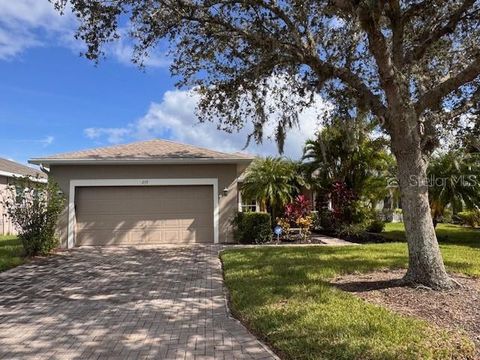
(9, 170)
(148, 192)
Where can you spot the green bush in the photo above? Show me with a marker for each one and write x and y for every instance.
(470, 218)
(316, 224)
(447, 217)
(361, 213)
(351, 230)
(326, 220)
(35, 207)
(252, 228)
(376, 226)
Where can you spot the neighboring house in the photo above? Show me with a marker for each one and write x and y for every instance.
(9, 170)
(147, 192)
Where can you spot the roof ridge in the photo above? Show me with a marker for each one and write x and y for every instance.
(195, 146)
(152, 148)
(140, 142)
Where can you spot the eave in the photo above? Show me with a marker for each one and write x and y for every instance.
(136, 161)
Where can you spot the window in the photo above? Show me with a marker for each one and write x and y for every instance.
(249, 206)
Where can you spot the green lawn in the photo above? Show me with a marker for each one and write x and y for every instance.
(283, 295)
(446, 233)
(11, 252)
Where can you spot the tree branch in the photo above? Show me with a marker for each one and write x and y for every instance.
(461, 109)
(369, 20)
(328, 71)
(433, 36)
(415, 9)
(431, 100)
(394, 13)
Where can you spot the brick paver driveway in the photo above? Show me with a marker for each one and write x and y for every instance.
(122, 303)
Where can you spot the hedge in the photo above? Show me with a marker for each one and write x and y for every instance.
(252, 228)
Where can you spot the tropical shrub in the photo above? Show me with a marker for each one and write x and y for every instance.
(326, 220)
(285, 225)
(345, 151)
(454, 182)
(35, 207)
(447, 217)
(299, 208)
(273, 182)
(376, 226)
(299, 213)
(351, 230)
(305, 225)
(362, 214)
(470, 218)
(316, 223)
(252, 228)
(342, 202)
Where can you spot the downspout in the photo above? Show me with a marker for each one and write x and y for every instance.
(44, 169)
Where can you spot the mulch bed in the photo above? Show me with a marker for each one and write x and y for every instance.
(453, 309)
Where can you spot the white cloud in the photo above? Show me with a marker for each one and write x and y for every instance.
(31, 13)
(113, 135)
(29, 23)
(12, 43)
(32, 23)
(174, 117)
(46, 141)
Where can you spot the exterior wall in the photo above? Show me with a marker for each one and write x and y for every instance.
(226, 175)
(6, 226)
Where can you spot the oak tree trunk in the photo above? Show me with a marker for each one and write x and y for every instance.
(425, 260)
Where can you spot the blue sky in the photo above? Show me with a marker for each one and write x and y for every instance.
(52, 100)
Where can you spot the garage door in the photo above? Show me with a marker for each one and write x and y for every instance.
(144, 215)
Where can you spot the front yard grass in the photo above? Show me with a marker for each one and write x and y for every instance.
(283, 294)
(11, 252)
(446, 234)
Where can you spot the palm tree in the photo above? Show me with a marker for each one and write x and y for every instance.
(345, 152)
(454, 181)
(273, 182)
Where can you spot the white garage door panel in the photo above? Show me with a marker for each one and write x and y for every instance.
(144, 215)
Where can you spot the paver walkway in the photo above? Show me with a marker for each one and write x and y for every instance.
(330, 240)
(122, 303)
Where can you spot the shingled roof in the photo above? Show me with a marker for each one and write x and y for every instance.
(12, 168)
(144, 151)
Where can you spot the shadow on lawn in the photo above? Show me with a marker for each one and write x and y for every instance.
(9, 243)
(360, 286)
(288, 268)
(446, 235)
(286, 294)
(324, 260)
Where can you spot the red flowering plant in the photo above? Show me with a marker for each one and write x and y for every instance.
(343, 199)
(300, 207)
(298, 213)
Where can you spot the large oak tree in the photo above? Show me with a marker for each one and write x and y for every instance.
(412, 64)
